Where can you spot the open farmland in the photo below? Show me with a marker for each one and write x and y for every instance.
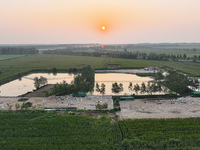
(3, 57)
(76, 130)
(14, 68)
(161, 133)
(186, 67)
(48, 130)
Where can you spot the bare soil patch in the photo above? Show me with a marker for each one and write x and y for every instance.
(41, 92)
(173, 108)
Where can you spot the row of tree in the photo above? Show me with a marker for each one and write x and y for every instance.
(18, 50)
(128, 55)
(84, 82)
(174, 82)
(150, 88)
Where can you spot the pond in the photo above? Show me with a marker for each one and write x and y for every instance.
(26, 83)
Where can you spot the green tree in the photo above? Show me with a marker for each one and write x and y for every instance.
(184, 56)
(154, 87)
(103, 89)
(143, 88)
(83, 82)
(159, 75)
(178, 83)
(130, 87)
(136, 88)
(97, 87)
(149, 88)
(38, 82)
(159, 87)
(117, 88)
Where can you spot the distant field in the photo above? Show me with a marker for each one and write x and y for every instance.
(186, 67)
(169, 51)
(12, 68)
(3, 57)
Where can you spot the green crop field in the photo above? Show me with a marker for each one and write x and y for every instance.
(34, 130)
(162, 133)
(167, 51)
(3, 57)
(13, 68)
(186, 67)
(55, 130)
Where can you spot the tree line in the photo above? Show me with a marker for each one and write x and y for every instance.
(18, 50)
(84, 82)
(174, 82)
(128, 55)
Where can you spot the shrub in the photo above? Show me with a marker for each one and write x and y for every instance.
(26, 105)
(23, 99)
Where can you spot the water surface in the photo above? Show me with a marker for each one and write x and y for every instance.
(19, 87)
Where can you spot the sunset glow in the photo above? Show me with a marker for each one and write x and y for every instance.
(59, 21)
(103, 28)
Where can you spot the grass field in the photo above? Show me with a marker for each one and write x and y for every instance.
(3, 57)
(186, 67)
(169, 51)
(12, 68)
(89, 130)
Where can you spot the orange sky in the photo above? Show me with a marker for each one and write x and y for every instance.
(80, 21)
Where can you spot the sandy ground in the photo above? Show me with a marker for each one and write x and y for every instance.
(138, 108)
(83, 103)
(175, 108)
(131, 71)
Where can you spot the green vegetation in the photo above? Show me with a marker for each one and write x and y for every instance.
(18, 50)
(26, 105)
(102, 106)
(38, 82)
(50, 131)
(23, 99)
(83, 82)
(16, 68)
(100, 90)
(4, 57)
(54, 130)
(161, 133)
(117, 88)
(179, 83)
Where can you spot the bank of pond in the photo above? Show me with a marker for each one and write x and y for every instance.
(26, 83)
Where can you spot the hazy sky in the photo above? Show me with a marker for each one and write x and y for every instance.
(80, 21)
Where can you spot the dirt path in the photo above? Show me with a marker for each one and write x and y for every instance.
(131, 71)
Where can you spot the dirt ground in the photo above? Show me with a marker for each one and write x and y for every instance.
(83, 103)
(174, 108)
(138, 108)
(41, 91)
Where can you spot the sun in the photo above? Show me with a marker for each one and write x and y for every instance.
(103, 28)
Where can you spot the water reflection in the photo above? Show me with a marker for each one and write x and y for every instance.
(19, 87)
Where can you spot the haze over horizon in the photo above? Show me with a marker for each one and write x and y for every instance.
(80, 21)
